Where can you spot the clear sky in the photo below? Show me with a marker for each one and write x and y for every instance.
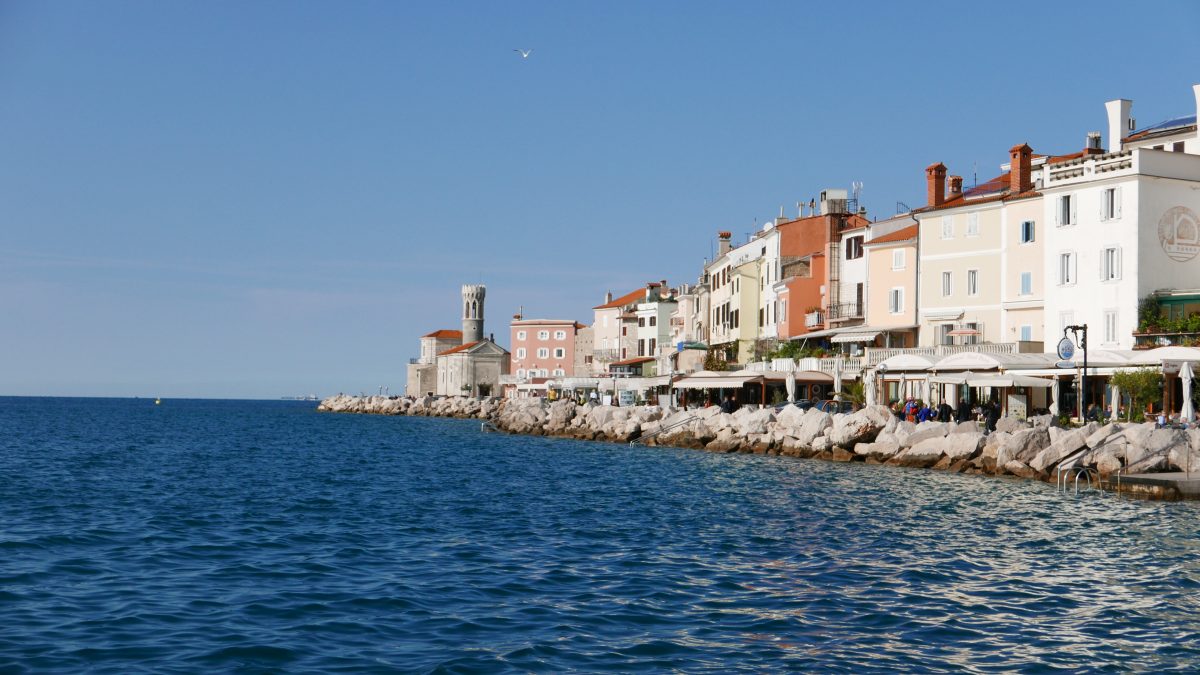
(262, 199)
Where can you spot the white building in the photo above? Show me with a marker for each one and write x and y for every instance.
(1123, 225)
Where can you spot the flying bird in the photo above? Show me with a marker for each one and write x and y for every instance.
(524, 52)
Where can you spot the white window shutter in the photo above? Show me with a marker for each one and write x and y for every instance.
(1074, 210)
(1117, 202)
(1058, 211)
(1074, 266)
(1103, 205)
(1118, 264)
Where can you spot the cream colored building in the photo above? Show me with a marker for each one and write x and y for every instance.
(964, 238)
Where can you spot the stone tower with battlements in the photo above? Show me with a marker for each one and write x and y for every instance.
(472, 318)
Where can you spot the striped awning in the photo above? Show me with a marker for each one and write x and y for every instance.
(856, 336)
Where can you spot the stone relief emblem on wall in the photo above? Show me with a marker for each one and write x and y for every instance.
(1179, 233)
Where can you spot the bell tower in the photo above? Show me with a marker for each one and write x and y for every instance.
(472, 318)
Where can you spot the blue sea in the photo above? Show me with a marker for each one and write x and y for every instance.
(256, 536)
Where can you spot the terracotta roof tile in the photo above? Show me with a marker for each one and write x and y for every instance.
(459, 348)
(445, 334)
(627, 299)
(903, 234)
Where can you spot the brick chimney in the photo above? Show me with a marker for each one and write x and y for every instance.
(935, 183)
(723, 245)
(955, 185)
(1020, 178)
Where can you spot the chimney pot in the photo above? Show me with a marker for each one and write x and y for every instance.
(1020, 175)
(1118, 122)
(935, 184)
(956, 185)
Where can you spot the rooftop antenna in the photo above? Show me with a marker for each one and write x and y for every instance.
(901, 207)
(975, 174)
(799, 209)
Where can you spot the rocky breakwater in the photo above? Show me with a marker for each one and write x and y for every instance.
(1031, 449)
(423, 406)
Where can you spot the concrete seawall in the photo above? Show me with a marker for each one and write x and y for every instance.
(1033, 449)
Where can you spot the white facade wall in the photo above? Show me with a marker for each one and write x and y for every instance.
(1155, 187)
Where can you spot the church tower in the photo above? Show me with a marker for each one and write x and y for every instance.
(472, 322)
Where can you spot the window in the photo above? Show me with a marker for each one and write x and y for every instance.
(1110, 204)
(543, 335)
(520, 372)
(654, 321)
(972, 224)
(783, 310)
(947, 284)
(944, 336)
(896, 300)
(761, 317)
(854, 248)
(1110, 264)
(653, 346)
(1026, 333)
(641, 322)
(972, 282)
(898, 259)
(641, 347)
(1065, 319)
(520, 335)
(734, 317)
(1065, 213)
(947, 227)
(520, 352)
(543, 353)
(559, 352)
(1027, 232)
(1026, 283)
(1066, 269)
(1177, 147)
(1110, 325)
(559, 372)
(624, 331)
(560, 335)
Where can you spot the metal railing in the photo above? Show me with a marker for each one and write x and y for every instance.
(845, 310)
(658, 432)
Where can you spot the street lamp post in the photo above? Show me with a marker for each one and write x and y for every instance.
(1076, 330)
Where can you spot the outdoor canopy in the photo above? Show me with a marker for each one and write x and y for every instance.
(1009, 381)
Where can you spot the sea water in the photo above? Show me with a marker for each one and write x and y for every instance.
(198, 536)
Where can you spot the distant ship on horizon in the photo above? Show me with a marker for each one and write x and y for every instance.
(310, 397)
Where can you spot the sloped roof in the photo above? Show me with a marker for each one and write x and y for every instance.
(627, 299)
(631, 362)
(459, 348)
(903, 234)
(445, 334)
(1165, 128)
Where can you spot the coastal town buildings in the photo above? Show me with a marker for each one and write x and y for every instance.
(458, 362)
(984, 277)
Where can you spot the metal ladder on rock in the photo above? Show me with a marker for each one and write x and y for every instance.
(658, 432)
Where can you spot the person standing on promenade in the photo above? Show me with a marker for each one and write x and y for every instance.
(964, 411)
(992, 412)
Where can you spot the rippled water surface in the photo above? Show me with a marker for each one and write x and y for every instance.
(256, 536)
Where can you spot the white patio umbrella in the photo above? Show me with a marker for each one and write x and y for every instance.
(1188, 412)
(790, 383)
(900, 388)
(1116, 401)
(869, 381)
(837, 380)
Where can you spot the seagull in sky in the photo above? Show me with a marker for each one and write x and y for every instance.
(524, 52)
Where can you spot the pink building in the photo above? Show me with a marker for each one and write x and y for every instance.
(543, 348)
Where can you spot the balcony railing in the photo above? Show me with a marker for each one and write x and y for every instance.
(879, 355)
(814, 319)
(845, 310)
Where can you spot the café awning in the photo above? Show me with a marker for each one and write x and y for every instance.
(1009, 381)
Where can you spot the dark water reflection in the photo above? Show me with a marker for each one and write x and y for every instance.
(211, 535)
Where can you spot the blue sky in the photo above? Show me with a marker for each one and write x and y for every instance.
(276, 198)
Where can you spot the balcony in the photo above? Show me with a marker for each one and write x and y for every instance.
(604, 355)
(814, 319)
(845, 311)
